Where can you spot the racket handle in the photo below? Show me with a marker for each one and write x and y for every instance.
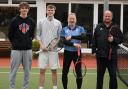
(37, 52)
(78, 51)
(110, 53)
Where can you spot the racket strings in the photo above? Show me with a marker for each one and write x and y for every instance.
(55, 45)
(80, 69)
(79, 66)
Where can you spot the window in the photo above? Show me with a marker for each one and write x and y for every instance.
(3, 1)
(125, 19)
(29, 1)
(125, 23)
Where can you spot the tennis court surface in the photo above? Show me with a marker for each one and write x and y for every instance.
(89, 81)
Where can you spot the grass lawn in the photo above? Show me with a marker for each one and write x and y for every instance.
(89, 81)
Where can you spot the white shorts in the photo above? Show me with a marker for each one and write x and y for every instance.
(48, 58)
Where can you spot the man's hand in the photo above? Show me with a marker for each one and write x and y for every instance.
(94, 54)
(77, 45)
(68, 38)
(110, 38)
(44, 49)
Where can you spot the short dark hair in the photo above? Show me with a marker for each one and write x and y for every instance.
(24, 4)
(51, 6)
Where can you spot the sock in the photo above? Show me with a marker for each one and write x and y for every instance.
(41, 87)
(54, 87)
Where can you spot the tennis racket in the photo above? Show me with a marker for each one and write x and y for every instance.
(79, 69)
(55, 45)
(113, 31)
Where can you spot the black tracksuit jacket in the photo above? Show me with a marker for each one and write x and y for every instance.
(100, 44)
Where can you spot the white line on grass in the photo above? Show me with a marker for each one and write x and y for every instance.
(38, 73)
(6, 67)
(50, 73)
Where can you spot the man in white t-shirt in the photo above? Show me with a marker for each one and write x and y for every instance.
(47, 30)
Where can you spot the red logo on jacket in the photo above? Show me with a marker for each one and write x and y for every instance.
(24, 27)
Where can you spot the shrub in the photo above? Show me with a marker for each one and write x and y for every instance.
(35, 45)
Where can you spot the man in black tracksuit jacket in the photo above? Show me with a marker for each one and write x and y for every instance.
(106, 37)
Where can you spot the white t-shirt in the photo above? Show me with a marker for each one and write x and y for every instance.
(48, 30)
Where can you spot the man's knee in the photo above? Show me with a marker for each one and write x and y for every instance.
(42, 71)
(54, 71)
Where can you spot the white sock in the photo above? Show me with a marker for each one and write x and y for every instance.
(41, 87)
(54, 87)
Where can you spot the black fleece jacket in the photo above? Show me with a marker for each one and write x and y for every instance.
(21, 33)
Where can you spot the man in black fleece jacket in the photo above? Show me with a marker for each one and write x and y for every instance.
(21, 33)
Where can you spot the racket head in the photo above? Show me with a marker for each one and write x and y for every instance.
(55, 45)
(114, 30)
(55, 42)
(79, 69)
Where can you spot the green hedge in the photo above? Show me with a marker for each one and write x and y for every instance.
(35, 45)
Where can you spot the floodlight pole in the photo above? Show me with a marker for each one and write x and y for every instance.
(106, 5)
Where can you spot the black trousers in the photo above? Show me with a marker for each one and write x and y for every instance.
(102, 65)
(68, 58)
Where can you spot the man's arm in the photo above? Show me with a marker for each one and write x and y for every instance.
(10, 32)
(38, 37)
(66, 42)
(33, 29)
(80, 37)
(94, 41)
